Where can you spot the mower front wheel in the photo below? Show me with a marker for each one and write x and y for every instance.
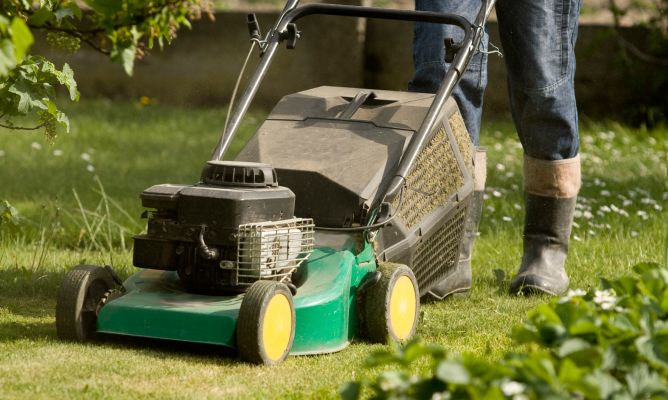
(266, 323)
(78, 303)
(391, 306)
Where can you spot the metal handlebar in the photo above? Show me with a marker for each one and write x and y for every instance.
(292, 13)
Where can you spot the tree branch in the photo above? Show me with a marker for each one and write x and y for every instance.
(84, 38)
(625, 43)
(22, 128)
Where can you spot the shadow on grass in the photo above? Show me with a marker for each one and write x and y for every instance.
(161, 348)
(11, 331)
(28, 297)
(17, 282)
(26, 317)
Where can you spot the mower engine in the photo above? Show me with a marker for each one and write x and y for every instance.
(233, 228)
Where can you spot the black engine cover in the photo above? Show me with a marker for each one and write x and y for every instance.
(183, 212)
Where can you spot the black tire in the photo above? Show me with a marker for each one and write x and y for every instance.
(78, 300)
(261, 297)
(378, 323)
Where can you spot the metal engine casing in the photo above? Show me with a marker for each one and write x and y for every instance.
(180, 212)
(339, 167)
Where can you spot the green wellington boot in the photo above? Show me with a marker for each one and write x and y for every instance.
(551, 189)
(458, 281)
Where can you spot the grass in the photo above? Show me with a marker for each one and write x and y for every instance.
(621, 220)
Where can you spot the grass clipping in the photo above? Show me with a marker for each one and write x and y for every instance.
(436, 175)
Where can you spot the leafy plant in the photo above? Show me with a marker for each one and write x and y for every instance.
(9, 216)
(608, 342)
(122, 29)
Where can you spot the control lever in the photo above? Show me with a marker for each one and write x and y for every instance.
(253, 27)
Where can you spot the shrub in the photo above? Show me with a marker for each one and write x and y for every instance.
(608, 342)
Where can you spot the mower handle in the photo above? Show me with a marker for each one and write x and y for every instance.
(468, 48)
(292, 13)
(378, 13)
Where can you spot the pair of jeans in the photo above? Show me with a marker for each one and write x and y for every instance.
(538, 40)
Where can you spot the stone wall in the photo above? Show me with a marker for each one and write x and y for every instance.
(201, 66)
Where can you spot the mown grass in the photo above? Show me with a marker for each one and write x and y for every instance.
(621, 220)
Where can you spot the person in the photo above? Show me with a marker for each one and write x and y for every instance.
(538, 39)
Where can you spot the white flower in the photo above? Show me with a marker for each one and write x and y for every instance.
(440, 396)
(2, 153)
(605, 209)
(36, 146)
(498, 146)
(491, 209)
(496, 193)
(634, 234)
(506, 218)
(571, 294)
(658, 207)
(577, 238)
(587, 214)
(517, 206)
(606, 299)
(605, 193)
(627, 203)
(500, 167)
(512, 388)
(90, 168)
(86, 157)
(57, 152)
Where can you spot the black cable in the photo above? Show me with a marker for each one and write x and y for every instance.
(367, 227)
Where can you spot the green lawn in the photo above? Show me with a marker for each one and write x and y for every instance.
(621, 220)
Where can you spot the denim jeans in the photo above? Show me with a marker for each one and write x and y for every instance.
(538, 40)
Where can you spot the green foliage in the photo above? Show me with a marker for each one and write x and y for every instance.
(9, 216)
(121, 29)
(605, 343)
(29, 89)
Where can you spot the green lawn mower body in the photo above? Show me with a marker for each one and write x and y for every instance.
(369, 215)
(156, 305)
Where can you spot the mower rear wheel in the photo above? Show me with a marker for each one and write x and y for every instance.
(78, 303)
(266, 323)
(391, 306)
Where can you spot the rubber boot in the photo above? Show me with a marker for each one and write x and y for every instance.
(458, 281)
(550, 192)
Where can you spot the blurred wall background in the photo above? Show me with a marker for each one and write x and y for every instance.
(201, 65)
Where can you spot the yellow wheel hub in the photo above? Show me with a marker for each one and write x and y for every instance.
(277, 327)
(402, 308)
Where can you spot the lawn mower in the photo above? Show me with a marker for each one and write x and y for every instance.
(374, 190)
